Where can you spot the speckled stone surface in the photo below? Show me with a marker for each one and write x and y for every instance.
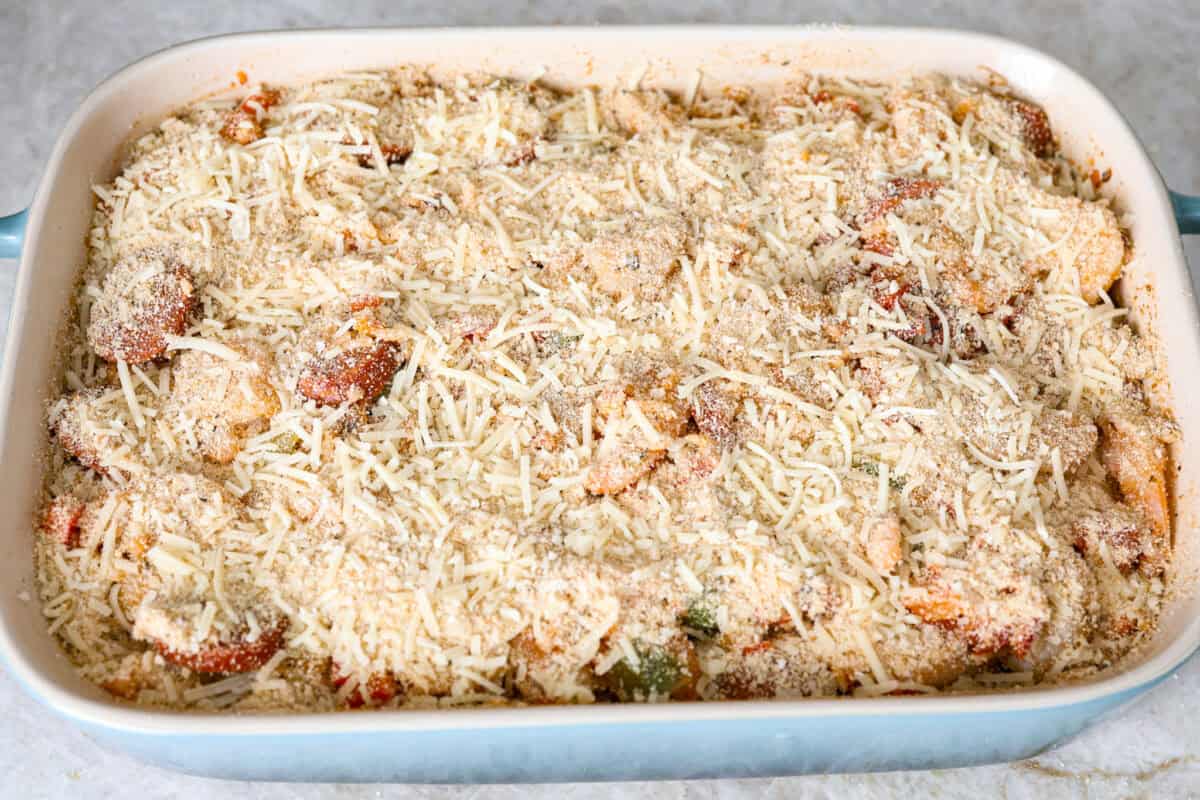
(1143, 55)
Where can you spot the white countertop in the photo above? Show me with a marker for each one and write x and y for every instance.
(1146, 60)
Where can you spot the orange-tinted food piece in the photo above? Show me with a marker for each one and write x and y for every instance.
(840, 101)
(1035, 128)
(242, 125)
(124, 688)
(896, 192)
(225, 657)
(987, 628)
(361, 302)
(380, 688)
(880, 243)
(888, 287)
(61, 522)
(355, 376)
(1123, 532)
(136, 312)
(885, 543)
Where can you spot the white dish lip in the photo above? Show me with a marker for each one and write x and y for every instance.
(133, 720)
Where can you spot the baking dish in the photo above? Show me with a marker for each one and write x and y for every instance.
(757, 738)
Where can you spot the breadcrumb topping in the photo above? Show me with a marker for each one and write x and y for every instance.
(386, 392)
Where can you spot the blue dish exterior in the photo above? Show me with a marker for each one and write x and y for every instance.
(643, 751)
(12, 233)
(1187, 212)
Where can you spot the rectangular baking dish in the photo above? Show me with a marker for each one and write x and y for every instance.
(599, 742)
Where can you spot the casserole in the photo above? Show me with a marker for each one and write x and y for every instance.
(576, 743)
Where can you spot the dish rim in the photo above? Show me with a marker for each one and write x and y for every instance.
(134, 719)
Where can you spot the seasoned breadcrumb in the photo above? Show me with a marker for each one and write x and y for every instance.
(383, 392)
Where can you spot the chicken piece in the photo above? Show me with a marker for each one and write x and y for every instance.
(937, 604)
(1088, 238)
(650, 374)
(694, 458)
(61, 521)
(619, 466)
(930, 109)
(639, 415)
(665, 418)
(715, 405)
(143, 300)
(78, 422)
(995, 606)
(884, 543)
(818, 598)
(229, 400)
(929, 655)
(784, 667)
(1136, 457)
(938, 474)
(881, 381)
(805, 378)
(920, 114)
(378, 689)
(1034, 125)
(651, 380)
(992, 430)
(610, 403)
(895, 193)
(241, 654)
(638, 259)
(1074, 612)
(171, 616)
(979, 284)
(1005, 119)
(1074, 435)
(243, 125)
(1124, 533)
(545, 676)
(550, 661)
(358, 375)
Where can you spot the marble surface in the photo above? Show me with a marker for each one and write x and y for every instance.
(53, 51)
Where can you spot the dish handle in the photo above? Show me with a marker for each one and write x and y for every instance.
(12, 233)
(1187, 211)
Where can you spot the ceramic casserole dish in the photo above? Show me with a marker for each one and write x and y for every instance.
(602, 742)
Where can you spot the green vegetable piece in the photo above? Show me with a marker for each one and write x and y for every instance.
(701, 618)
(656, 675)
(871, 468)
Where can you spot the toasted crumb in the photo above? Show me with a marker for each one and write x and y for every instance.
(388, 392)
